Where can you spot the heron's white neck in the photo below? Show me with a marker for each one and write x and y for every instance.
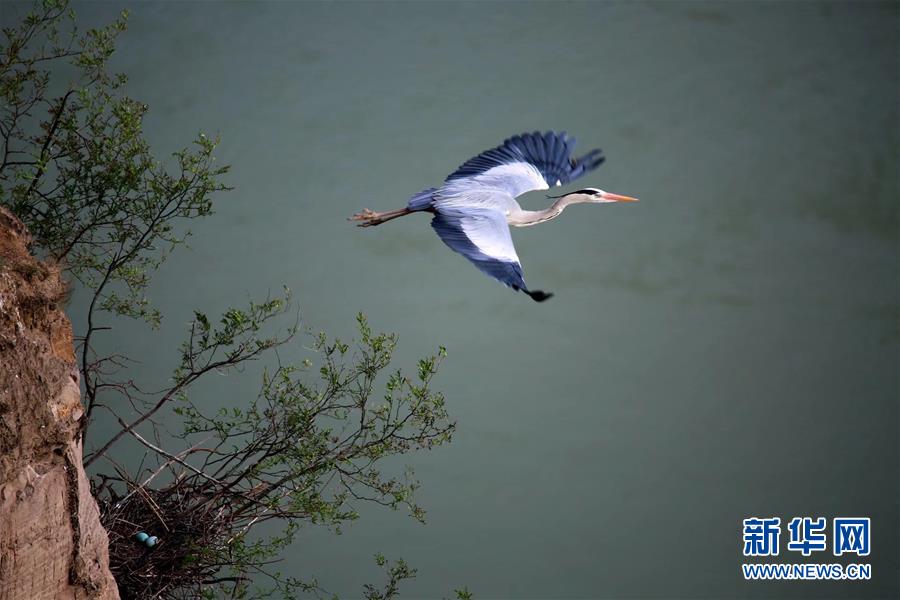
(526, 218)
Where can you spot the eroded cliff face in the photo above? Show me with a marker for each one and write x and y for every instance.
(51, 541)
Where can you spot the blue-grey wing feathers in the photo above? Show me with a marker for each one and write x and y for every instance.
(550, 153)
(482, 236)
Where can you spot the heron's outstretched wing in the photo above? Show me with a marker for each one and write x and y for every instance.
(522, 163)
(482, 236)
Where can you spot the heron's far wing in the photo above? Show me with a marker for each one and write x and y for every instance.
(522, 163)
(482, 236)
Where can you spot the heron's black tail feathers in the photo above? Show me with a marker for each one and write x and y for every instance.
(422, 200)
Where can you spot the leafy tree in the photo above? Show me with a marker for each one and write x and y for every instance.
(77, 170)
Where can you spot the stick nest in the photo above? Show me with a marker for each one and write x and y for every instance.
(186, 556)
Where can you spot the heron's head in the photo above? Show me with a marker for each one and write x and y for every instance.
(596, 196)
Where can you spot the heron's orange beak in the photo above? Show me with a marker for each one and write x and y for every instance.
(617, 198)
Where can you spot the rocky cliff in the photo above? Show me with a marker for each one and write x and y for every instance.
(51, 541)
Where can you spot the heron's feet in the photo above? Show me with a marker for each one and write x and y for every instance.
(367, 218)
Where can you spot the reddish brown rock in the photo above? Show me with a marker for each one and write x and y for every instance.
(51, 542)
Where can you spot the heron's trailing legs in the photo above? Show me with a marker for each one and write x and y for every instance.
(369, 218)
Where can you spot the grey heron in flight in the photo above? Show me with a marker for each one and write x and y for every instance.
(476, 204)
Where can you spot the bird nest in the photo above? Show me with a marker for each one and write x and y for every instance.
(185, 556)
